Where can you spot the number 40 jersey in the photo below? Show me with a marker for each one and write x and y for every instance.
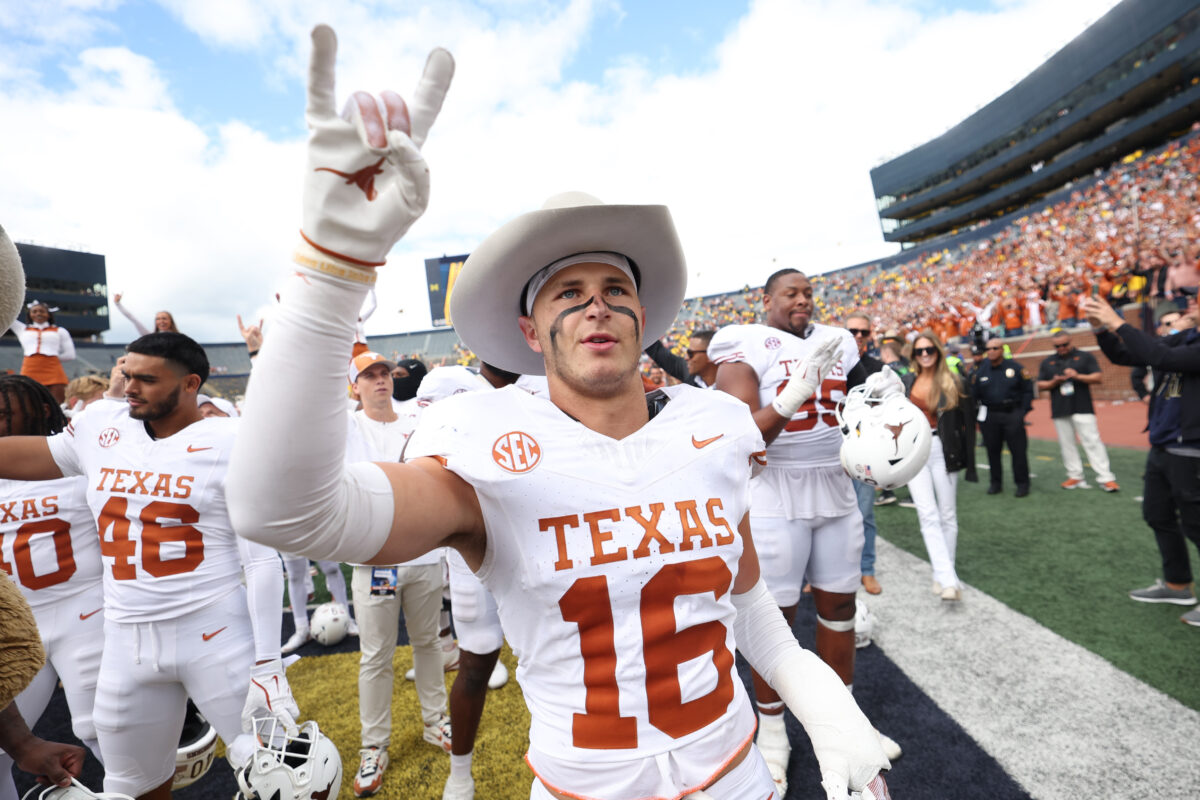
(612, 564)
(165, 538)
(812, 438)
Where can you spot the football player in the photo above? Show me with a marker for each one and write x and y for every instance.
(49, 547)
(177, 621)
(805, 515)
(613, 534)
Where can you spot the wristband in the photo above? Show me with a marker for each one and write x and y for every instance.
(323, 264)
(253, 353)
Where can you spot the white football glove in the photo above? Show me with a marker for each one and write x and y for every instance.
(270, 696)
(360, 199)
(807, 377)
(884, 383)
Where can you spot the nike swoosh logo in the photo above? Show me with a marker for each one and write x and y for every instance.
(699, 443)
(207, 636)
(94, 613)
(197, 449)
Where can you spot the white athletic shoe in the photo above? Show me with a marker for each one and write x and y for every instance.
(438, 733)
(352, 628)
(776, 749)
(459, 787)
(369, 778)
(890, 748)
(499, 676)
(299, 638)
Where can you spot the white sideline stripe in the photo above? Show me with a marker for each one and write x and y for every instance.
(1059, 719)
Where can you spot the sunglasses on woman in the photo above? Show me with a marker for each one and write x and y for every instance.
(924, 351)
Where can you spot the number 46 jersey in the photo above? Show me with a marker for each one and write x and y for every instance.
(612, 563)
(165, 538)
(812, 438)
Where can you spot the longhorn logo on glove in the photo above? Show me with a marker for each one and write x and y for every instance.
(363, 179)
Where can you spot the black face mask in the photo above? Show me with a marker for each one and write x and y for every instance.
(406, 388)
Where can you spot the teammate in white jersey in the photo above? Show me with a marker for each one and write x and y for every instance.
(805, 515)
(177, 621)
(616, 542)
(49, 547)
(378, 432)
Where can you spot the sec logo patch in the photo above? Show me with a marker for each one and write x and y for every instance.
(772, 343)
(109, 437)
(516, 452)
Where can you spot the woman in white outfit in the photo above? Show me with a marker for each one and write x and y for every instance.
(939, 391)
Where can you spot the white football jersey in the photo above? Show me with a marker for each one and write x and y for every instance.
(165, 537)
(812, 438)
(48, 541)
(381, 441)
(612, 563)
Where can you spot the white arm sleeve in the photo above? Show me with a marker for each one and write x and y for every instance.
(264, 596)
(843, 739)
(288, 487)
(66, 345)
(141, 329)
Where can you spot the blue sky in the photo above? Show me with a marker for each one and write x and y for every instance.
(169, 135)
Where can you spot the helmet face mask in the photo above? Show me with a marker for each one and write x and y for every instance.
(885, 441)
(301, 767)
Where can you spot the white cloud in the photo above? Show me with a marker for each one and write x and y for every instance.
(763, 158)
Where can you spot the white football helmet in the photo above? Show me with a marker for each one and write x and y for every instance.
(197, 748)
(330, 623)
(76, 791)
(886, 439)
(301, 767)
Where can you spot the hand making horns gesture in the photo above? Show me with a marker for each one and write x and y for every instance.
(366, 181)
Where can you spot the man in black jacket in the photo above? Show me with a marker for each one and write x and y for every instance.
(1170, 320)
(696, 369)
(1171, 497)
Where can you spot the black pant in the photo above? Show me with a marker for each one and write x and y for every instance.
(1171, 507)
(1001, 428)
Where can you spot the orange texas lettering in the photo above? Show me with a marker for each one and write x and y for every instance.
(136, 481)
(28, 508)
(613, 534)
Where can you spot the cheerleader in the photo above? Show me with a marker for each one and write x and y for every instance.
(46, 346)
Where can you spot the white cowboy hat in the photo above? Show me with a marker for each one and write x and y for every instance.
(485, 300)
(12, 281)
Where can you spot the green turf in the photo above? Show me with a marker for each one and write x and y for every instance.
(326, 689)
(1068, 559)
